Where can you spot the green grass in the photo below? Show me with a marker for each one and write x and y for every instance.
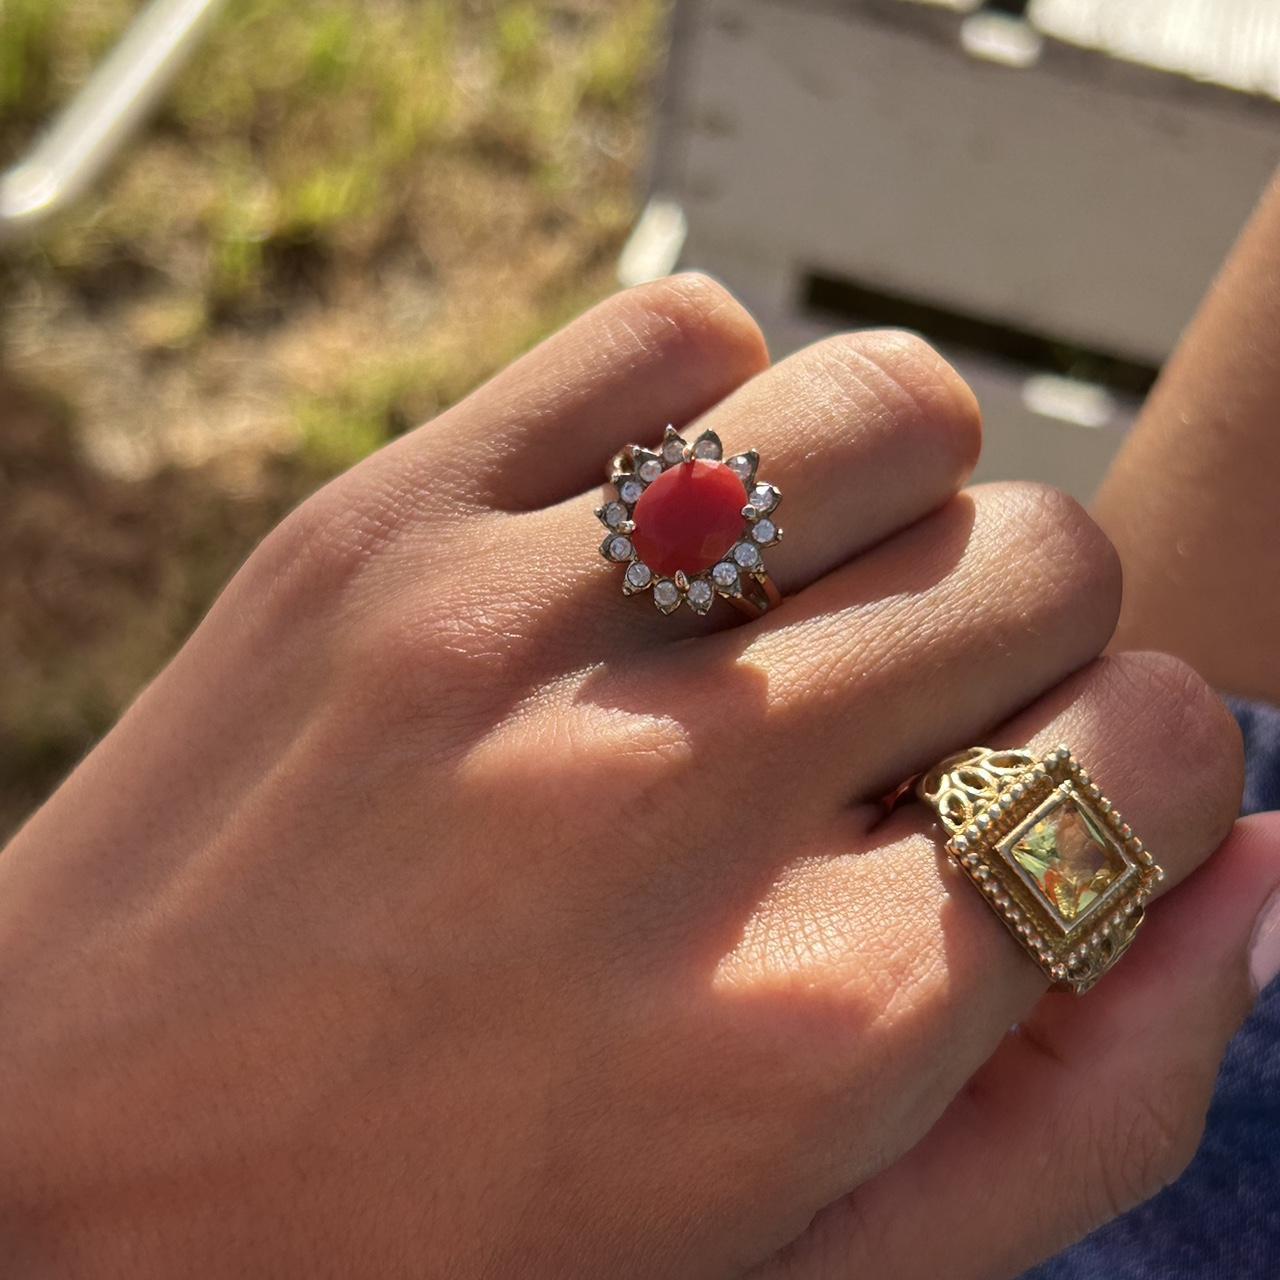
(347, 214)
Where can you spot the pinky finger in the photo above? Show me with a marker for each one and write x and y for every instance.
(1088, 1108)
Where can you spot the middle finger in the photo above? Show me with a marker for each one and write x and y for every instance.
(879, 669)
(863, 433)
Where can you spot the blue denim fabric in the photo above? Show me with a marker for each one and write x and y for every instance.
(1221, 1219)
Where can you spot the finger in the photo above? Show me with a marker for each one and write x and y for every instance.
(862, 433)
(1090, 1107)
(927, 641)
(541, 429)
(545, 427)
(923, 978)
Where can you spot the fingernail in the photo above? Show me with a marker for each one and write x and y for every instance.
(1264, 949)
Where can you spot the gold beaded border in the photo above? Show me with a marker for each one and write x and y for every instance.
(1075, 959)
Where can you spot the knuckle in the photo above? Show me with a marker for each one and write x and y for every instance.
(695, 315)
(326, 542)
(425, 656)
(1059, 539)
(900, 376)
(1049, 513)
(1194, 725)
(300, 560)
(394, 682)
(1165, 679)
(319, 551)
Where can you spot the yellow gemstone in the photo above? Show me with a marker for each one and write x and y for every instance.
(1069, 857)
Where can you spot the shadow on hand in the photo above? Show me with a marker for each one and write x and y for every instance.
(746, 803)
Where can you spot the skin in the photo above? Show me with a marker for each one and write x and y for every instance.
(440, 912)
(1191, 501)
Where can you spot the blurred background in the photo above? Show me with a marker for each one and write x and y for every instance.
(339, 217)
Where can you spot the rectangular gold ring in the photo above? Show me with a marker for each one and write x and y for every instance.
(1050, 854)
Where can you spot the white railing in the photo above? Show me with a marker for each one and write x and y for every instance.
(91, 129)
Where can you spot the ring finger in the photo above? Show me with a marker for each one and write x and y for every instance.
(919, 976)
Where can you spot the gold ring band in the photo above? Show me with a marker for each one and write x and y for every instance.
(1049, 853)
(759, 595)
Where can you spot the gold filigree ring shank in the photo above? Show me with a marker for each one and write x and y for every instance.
(1049, 853)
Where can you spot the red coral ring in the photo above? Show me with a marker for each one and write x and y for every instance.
(690, 524)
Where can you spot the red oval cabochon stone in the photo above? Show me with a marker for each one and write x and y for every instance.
(689, 517)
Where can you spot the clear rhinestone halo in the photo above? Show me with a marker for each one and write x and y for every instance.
(690, 524)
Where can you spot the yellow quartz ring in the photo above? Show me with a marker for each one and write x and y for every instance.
(1050, 854)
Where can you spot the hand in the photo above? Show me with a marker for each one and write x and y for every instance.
(440, 912)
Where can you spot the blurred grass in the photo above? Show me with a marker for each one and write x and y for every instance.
(346, 215)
